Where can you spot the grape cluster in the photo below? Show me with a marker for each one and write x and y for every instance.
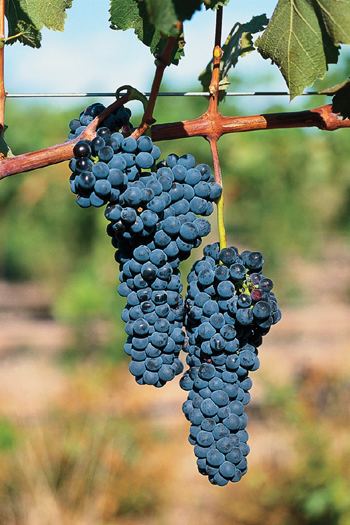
(156, 214)
(154, 316)
(150, 280)
(230, 308)
(152, 212)
(93, 159)
(152, 235)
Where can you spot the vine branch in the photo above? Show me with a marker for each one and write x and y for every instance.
(58, 153)
(211, 115)
(204, 126)
(162, 62)
(322, 118)
(218, 26)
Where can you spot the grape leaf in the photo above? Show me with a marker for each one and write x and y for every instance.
(185, 9)
(303, 38)
(5, 151)
(26, 18)
(163, 16)
(214, 4)
(131, 14)
(238, 43)
(27, 35)
(333, 90)
(341, 99)
(151, 19)
(177, 52)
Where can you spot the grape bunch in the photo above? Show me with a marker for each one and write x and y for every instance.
(149, 274)
(230, 307)
(157, 213)
(154, 316)
(152, 236)
(152, 211)
(103, 167)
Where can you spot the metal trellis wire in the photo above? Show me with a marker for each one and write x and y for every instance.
(165, 94)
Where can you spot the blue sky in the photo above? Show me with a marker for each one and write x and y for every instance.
(90, 57)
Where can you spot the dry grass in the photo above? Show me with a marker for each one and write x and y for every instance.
(106, 453)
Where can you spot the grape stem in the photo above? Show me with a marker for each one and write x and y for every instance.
(220, 201)
(212, 113)
(203, 126)
(162, 62)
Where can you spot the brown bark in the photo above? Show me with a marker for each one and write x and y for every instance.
(203, 126)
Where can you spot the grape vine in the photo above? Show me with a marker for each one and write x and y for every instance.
(157, 208)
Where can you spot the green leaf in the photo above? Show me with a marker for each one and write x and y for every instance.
(303, 38)
(151, 19)
(341, 99)
(131, 14)
(26, 18)
(214, 4)
(185, 9)
(332, 90)
(27, 35)
(238, 43)
(336, 18)
(5, 151)
(163, 16)
(177, 52)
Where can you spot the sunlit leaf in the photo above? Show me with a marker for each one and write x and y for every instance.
(26, 18)
(303, 38)
(163, 16)
(152, 19)
(131, 14)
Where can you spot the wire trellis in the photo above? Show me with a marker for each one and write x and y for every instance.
(164, 94)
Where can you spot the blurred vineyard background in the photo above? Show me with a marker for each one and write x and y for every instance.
(80, 441)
